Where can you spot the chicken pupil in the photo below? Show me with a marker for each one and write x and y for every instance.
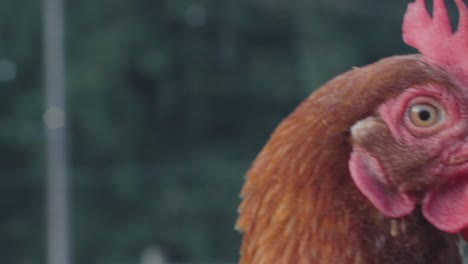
(424, 115)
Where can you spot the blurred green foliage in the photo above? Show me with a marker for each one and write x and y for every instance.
(169, 102)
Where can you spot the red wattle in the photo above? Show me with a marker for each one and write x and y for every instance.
(446, 207)
(464, 234)
(369, 177)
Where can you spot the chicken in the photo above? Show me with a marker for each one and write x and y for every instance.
(373, 166)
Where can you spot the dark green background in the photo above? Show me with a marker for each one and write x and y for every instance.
(168, 103)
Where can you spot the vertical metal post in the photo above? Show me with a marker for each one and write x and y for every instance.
(58, 249)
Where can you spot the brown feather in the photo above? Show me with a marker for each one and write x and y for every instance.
(300, 204)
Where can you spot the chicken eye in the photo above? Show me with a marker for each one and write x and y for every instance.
(424, 115)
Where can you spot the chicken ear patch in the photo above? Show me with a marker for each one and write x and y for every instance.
(370, 178)
(446, 207)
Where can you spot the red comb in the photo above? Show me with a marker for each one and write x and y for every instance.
(433, 36)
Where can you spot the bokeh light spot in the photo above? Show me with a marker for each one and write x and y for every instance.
(54, 118)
